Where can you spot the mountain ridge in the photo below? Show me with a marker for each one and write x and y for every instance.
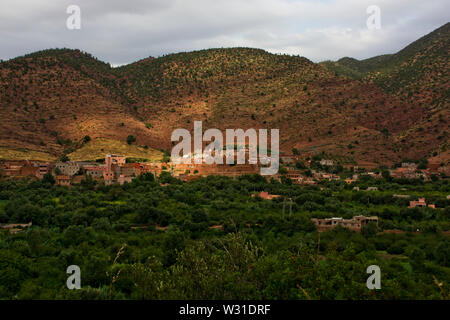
(51, 99)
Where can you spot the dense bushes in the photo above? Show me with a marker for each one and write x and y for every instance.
(209, 239)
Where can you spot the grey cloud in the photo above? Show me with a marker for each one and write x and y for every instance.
(121, 32)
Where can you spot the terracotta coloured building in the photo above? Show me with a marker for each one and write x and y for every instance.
(421, 203)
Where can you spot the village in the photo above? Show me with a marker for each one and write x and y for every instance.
(115, 169)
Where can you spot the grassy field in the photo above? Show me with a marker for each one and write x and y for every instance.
(23, 154)
(96, 149)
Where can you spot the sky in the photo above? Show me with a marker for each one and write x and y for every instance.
(121, 32)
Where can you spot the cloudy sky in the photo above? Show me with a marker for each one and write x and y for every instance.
(120, 31)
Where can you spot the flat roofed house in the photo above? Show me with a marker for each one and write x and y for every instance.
(296, 176)
(63, 180)
(122, 179)
(44, 168)
(363, 220)
(401, 196)
(266, 196)
(355, 224)
(288, 159)
(115, 159)
(69, 168)
(409, 165)
(434, 167)
(12, 169)
(420, 203)
(16, 227)
(94, 171)
(28, 171)
(325, 162)
(129, 169)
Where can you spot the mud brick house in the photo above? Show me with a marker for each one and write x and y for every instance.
(29, 170)
(325, 162)
(288, 159)
(112, 168)
(418, 204)
(399, 172)
(63, 180)
(15, 228)
(374, 175)
(421, 203)
(190, 178)
(434, 167)
(128, 169)
(109, 175)
(20, 169)
(330, 176)
(68, 168)
(409, 172)
(44, 168)
(78, 179)
(111, 159)
(355, 224)
(409, 165)
(296, 176)
(401, 196)
(204, 169)
(122, 179)
(11, 169)
(266, 196)
(94, 171)
(324, 176)
(154, 168)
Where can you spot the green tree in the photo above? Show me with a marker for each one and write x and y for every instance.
(369, 230)
(131, 139)
(48, 179)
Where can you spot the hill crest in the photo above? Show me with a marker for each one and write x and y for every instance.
(51, 99)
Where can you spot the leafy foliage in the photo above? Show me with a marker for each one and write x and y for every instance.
(158, 239)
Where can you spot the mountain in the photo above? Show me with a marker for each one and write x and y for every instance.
(243, 88)
(418, 74)
(421, 66)
(354, 110)
(51, 100)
